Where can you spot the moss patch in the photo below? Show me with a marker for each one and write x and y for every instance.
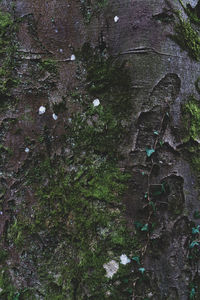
(191, 131)
(91, 8)
(191, 118)
(8, 58)
(187, 38)
(79, 213)
(48, 65)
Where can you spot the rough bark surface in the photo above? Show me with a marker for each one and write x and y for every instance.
(159, 150)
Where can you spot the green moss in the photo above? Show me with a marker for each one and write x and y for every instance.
(3, 256)
(187, 38)
(90, 8)
(7, 290)
(79, 208)
(191, 12)
(191, 118)
(5, 23)
(49, 65)
(191, 131)
(197, 85)
(8, 53)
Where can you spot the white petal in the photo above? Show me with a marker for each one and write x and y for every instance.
(73, 57)
(124, 260)
(55, 117)
(96, 102)
(116, 19)
(27, 150)
(111, 268)
(42, 110)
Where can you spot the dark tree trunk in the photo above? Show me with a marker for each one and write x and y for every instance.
(99, 141)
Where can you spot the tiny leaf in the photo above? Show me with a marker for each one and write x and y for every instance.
(163, 187)
(145, 227)
(137, 259)
(161, 143)
(195, 230)
(156, 132)
(16, 297)
(193, 244)
(153, 205)
(192, 293)
(149, 152)
(138, 225)
(142, 270)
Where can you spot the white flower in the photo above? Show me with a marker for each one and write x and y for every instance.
(96, 102)
(56, 30)
(61, 50)
(42, 110)
(124, 260)
(111, 268)
(1, 213)
(27, 150)
(73, 57)
(116, 19)
(55, 117)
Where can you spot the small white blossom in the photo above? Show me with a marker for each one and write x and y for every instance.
(124, 260)
(111, 268)
(42, 110)
(55, 117)
(1, 213)
(116, 19)
(61, 50)
(150, 295)
(96, 102)
(27, 150)
(73, 57)
(56, 30)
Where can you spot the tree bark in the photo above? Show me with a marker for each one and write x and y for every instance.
(84, 182)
